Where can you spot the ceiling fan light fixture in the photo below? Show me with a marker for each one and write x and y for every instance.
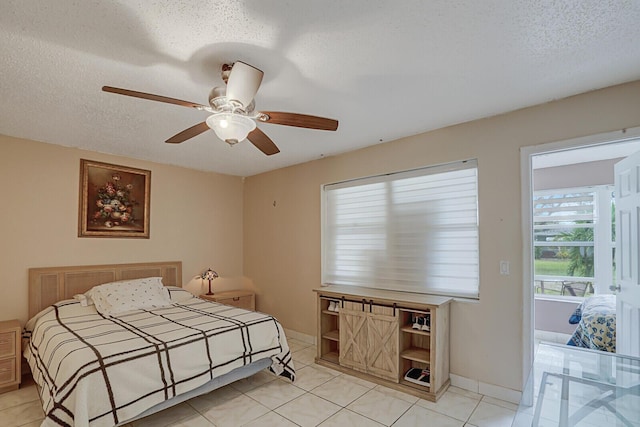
(231, 128)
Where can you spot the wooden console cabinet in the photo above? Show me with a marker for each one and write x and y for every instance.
(372, 336)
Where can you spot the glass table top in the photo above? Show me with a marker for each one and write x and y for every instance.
(571, 386)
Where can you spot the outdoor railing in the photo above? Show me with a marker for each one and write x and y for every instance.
(563, 287)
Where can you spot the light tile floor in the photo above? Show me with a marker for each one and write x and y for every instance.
(585, 394)
(319, 397)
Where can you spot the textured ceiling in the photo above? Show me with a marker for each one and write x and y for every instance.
(384, 69)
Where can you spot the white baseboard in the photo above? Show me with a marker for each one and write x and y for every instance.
(491, 390)
(309, 339)
(464, 383)
(500, 392)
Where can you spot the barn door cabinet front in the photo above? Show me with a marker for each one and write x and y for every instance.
(398, 339)
(369, 339)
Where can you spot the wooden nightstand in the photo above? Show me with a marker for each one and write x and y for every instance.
(10, 353)
(241, 299)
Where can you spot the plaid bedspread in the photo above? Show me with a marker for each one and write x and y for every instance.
(99, 371)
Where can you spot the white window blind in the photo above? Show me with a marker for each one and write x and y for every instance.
(411, 231)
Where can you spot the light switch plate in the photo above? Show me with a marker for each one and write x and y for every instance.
(504, 268)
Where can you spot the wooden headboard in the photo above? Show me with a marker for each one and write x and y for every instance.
(51, 284)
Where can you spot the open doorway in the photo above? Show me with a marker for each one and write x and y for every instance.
(568, 230)
(573, 234)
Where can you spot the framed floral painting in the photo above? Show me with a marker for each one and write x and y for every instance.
(114, 200)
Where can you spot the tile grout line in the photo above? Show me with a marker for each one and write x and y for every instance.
(407, 410)
(474, 410)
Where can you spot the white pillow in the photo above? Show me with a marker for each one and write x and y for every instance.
(179, 294)
(85, 300)
(94, 295)
(119, 297)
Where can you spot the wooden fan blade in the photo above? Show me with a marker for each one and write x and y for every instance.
(299, 120)
(152, 97)
(262, 142)
(188, 133)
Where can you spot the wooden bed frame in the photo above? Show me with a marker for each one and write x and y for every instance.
(49, 285)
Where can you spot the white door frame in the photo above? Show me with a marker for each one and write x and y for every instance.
(526, 155)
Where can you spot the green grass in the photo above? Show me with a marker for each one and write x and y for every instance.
(551, 267)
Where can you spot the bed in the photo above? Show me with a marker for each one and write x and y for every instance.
(95, 367)
(595, 320)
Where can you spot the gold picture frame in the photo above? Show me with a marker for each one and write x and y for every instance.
(114, 201)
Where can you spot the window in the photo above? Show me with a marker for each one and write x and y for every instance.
(411, 231)
(573, 241)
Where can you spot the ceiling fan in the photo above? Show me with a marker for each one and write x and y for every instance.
(233, 117)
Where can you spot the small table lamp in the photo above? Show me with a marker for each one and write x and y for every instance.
(209, 275)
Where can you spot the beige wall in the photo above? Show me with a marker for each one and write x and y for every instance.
(196, 218)
(282, 220)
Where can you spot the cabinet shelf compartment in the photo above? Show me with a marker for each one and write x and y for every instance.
(422, 387)
(329, 332)
(416, 354)
(417, 376)
(332, 335)
(332, 357)
(416, 348)
(410, 330)
(331, 313)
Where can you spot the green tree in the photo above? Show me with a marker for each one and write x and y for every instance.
(580, 257)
